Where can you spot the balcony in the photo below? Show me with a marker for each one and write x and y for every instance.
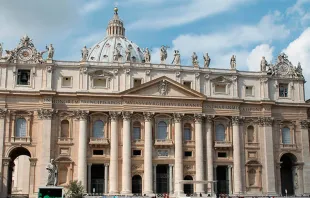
(251, 145)
(189, 143)
(138, 142)
(20, 140)
(65, 140)
(99, 141)
(165, 142)
(222, 144)
(288, 146)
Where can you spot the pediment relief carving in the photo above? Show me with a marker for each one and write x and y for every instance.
(222, 80)
(100, 73)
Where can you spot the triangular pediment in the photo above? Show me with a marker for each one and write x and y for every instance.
(164, 87)
(221, 79)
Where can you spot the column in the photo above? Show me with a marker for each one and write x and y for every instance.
(178, 154)
(5, 174)
(237, 156)
(89, 190)
(113, 176)
(154, 176)
(2, 132)
(229, 179)
(82, 149)
(304, 125)
(266, 123)
(170, 179)
(199, 153)
(126, 168)
(106, 176)
(209, 152)
(148, 146)
(33, 162)
(45, 150)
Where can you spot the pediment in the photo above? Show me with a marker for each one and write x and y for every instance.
(100, 73)
(221, 79)
(164, 87)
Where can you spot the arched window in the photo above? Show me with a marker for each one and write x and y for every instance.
(98, 129)
(162, 130)
(250, 134)
(220, 132)
(286, 135)
(136, 135)
(188, 188)
(21, 127)
(187, 132)
(64, 128)
(252, 177)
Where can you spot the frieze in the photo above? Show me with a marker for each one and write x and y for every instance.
(219, 106)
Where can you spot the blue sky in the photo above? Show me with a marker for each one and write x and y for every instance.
(249, 29)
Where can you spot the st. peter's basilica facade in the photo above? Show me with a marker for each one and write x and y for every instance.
(123, 125)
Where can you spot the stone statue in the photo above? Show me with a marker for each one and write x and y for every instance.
(147, 55)
(117, 54)
(84, 53)
(233, 62)
(263, 64)
(163, 54)
(40, 57)
(24, 41)
(9, 55)
(52, 173)
(177, 58)
(128, 54)
(50, 52)
(207, 60)
(298, 70)
(1, 50)
(195, 59)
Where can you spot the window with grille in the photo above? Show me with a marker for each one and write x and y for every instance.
(98, 129)
(187, 132)
(283, 90)
(162, 130)
(286, 135)
(136, 131)
(21, 127)
(220, 132)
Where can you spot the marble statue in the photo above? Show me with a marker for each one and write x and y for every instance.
(84, 53)
(163, 54)
(147, 55)
(52, 173)
(117, 54)
(233, 62)
(24, 41)
(50, 52)
(195, 59)
(177, 58)
(40, 57)
(9, 55)
(263, 64)
(298, 70)
(1, 50)
(128, 54)
(207, 60)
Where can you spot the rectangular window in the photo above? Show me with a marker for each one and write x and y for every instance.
(99, 82)
(221, 154)
(66, 82)
(220, 88)
(136, 152)
(97, 152)
(162, 153)
(137, 82)
(283, 90)
(249, 91)
(23, 77)
(188, 153)
(187, 84)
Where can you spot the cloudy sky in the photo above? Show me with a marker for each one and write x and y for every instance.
(249, 29)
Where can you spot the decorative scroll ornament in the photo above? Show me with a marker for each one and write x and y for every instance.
(163, 88)
(148, 116)
(3, 113)
(178, 117)
(45, 113)
(81, 114)
(284, 68)
(266, 121)
(198, 117)
(235, 120)
(114, 115)
(304, 124)
(126, 115)
(25, 52)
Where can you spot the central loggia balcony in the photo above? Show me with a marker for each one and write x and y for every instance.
(99, 141)
(222, 144)
(163, 142)
(21, 140)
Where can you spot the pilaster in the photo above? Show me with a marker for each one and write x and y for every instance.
(2, 131)
(304, 125)
(199, 153)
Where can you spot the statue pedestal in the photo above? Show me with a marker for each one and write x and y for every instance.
(51, 191)
(49, 61)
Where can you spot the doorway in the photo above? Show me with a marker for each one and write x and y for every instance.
(97, 178)
(222, 180)
(188, 188)
(287, 182)
(162, 179)
(137, 185)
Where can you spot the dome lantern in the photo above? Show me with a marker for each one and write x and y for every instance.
(116, 26)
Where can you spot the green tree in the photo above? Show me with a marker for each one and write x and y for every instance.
(75, 190)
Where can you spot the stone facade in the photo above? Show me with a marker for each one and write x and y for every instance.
(127, 127)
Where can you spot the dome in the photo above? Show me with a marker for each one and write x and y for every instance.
(115, 47)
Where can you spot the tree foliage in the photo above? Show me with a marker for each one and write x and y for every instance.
(75, 190)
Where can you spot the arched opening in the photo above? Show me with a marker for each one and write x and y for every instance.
(21, 128)
(98, 129)
(188, 188)
(137, 185)
(18, 171)
(220, 133)
(162, 130)
(187, 132)
(136, 135)
(286, 135)
(287, 181)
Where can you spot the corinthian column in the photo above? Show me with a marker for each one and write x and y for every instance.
(2, 131)
(178, 163)
(237, 156)
(199, 153)
(209, 152)
(148, 176)
(268, 158)
(113, 176)
(126, 169)
(46, 116)
(304, 124)
(82, 150)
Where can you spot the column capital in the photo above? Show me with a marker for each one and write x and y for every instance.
(6, 161)
(266, 121)
(171, 165)
(148, 116)
(304, 124)
(81, 114)
(127, 115)
(237, 120)
(33, 161)
(106, 165)
(198, 117)
(45, 114)
(178, 117)
(3, 112)
(209, 118)
(114, 115)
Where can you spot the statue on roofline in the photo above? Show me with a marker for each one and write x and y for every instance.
(163, 53)
(207, 60)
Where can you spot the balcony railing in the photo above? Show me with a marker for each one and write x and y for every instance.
(65, 140)
(164, 142)
(288, 146)
(222, 144)
(99, 141)
(20, 140)
(252, 144)
(189, 142)
(138, 142)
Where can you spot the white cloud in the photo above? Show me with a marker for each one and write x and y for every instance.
(299, 13)
(93, 6)
(185, 12)
(254, 58)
